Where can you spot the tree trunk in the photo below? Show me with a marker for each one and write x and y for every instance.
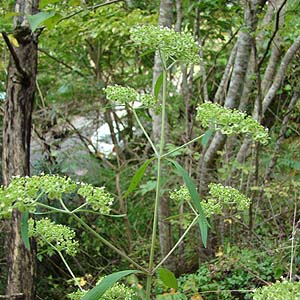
(235, 90)
(164, 227)
(270, 95)
(280, 139)
(20, 90)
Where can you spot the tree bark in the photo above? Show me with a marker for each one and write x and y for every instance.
(235, 90)
(221, 92)
(284, 127)
(269, 97)
(20, 90)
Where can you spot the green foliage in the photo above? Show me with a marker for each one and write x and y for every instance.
(173, 45)
(128, 95)
(231, 276)
(231, 121)
(195, 199)
(168, 278)
(220, 197)
(121, 94)
(279, 291)
(228, 196)
(23, 193)
(36, 20)
(119, 291)
(108, 289)
(50, 235)
(96, 197)
(138, 177)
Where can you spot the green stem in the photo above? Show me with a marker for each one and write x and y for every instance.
(64, 206)
(158, 182)
(182, 146)
(176, 245)
(79, 208)
(107, 243)
(52, 208)
(65, 263)
(145, 132)
(69, 269)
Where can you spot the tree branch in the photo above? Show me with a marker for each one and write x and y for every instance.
(61, 62)
(273, 35)
(14, 55)
(88, 8)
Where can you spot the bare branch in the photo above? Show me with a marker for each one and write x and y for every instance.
(277, 18)
(88, 8)
(61, 62)
(14, 55)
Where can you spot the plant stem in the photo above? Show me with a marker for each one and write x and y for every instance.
(176, 245)
(292, 246)
(107, 243)
(64, 206)
(79, 208)
(145, 132)
(182, 146)
(52, 208)
(158, 182)
(69, 269)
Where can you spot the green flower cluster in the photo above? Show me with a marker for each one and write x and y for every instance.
(78, 295)
(49, 234)
(180, 195)
(118, 291)
(128, 95)
(174, 45)
(220, 196)
(147, 100)
(121, 94)
(228, 196)
(211, 207)
(279, 291)
(23, 193)
(96, 197)
(231, 121)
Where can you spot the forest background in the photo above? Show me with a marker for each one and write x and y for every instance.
(248, 60)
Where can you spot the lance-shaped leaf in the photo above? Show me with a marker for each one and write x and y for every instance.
(107, 282)
(207, 135)
(136, 179)
(195, 199)
(158, 85)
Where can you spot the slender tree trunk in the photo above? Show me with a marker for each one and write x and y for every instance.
(201, 55)
(270, 95)
(284, 127)
(235, 90)
(16, 144)
(164, 227)
(221, 93)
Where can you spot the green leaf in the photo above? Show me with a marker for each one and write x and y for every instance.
(106, 283)
(52, 21)
(138, 176)
(36, 20)
(195, 199)
(44, 3)
(24, 230)
(158, 85)
(207, 135)
(168, 278)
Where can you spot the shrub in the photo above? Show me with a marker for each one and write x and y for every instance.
(280, 291)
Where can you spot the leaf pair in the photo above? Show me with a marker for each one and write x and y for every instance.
(189, 184)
